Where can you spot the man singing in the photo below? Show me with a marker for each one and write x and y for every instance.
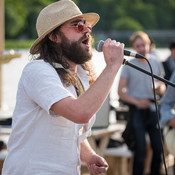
(58, 96)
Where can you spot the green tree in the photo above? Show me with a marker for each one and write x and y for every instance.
(20, 17)
(15, 16)
(127, 23)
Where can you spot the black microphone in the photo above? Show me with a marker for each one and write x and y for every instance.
(99, 48)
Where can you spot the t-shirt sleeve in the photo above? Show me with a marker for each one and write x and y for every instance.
(43, 85)
(124, 72)
(158, 67)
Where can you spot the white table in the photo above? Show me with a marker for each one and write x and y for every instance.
(104, 135)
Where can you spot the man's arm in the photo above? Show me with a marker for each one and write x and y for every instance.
(94, 162)
(172, 122)
(80, 110)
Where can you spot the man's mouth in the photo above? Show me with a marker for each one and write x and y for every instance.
(86, 42)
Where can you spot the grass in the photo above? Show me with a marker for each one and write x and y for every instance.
(18, 44)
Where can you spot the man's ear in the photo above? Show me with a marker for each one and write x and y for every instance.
(55, 38)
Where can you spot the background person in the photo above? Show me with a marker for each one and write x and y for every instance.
(135, 88)
(55, 106)
(153, 48)
(169, 63)
(167, 120)
(167, 109)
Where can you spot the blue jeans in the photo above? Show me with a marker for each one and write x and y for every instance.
(145, 121)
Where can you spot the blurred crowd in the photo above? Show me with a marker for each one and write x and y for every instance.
(135, 89)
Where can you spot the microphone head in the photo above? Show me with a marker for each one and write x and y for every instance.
(99, 46)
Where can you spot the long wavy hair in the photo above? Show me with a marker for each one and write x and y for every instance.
(51, 52)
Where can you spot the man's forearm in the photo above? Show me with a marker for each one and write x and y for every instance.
(86, 152)
(98, 92)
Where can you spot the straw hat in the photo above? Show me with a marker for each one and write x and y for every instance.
(56, 14)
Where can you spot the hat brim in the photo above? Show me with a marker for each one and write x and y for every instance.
(91, 18)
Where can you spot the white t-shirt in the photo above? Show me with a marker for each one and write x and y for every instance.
(42, 143)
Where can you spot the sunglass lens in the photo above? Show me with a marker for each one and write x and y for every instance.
(80, 27)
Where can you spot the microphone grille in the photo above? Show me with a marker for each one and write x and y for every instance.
(99, 46)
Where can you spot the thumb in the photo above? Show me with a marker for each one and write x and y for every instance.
(102, 162)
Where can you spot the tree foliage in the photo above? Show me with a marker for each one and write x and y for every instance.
(20, 15)
(127, 23)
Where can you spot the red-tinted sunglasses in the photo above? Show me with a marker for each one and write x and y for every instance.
(81, 27)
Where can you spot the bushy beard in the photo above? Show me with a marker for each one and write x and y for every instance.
(74, 51)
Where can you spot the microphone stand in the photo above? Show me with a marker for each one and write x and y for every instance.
(125, 62)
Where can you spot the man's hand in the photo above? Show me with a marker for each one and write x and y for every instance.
(172, 122)
(143, 103)
(97, 165)
(113, 52)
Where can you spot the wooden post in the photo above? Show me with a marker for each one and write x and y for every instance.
(1, 43)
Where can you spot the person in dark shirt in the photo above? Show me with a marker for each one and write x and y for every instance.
(169, 63)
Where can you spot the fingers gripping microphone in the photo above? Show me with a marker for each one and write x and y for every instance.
(99, 48)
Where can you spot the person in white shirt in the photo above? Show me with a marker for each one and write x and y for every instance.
(58, 96)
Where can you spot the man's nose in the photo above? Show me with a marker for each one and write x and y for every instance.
(88, 28)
